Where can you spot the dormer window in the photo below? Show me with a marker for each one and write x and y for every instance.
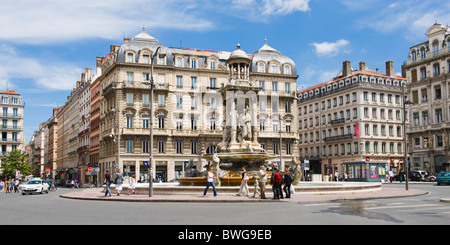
(130, 57)
(212, 64)
(274, 68)
(179, 61)
(161, 60)
(193, 63)
(287, 69)
(261, 67)
(146, 59)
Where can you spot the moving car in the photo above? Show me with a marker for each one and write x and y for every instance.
(443, 177)
(35, 185)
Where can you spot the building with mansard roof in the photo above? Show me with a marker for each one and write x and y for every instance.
(357, 116)
(427, 71)
(187, 118)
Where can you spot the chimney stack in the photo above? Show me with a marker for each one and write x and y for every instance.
(99, 66)
(389, 68)
(362, 66)
(346, 69)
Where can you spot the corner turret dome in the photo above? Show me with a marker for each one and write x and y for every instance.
(139, 44)
(266, 56)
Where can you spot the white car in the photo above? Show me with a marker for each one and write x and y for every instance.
(35, 185)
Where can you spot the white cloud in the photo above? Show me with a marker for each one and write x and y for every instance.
(275, 7)
(331, 49)
(44, 21)
(410, 18)
(37, 74)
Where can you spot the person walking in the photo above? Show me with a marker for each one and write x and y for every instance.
(262, 181)
(132, 184)
(243, 190)
(276, 184)
(119, 181)
(108, 183)
(391, 175)
(287, 183)
(256, 184)
(210, 182)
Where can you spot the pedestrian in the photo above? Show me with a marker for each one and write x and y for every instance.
(400, 176)
(276, 184)
(16, 185)
(391, 175)
(262, 181)
(336, 176)
(287, 183)
(119, 181)
(256, 185)
(108, 183)
(345, 176)
(210, 182)
(11, 186)
(1, 185)
(244, 186)
(132, 184)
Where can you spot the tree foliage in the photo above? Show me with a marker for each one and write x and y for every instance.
(16, 160)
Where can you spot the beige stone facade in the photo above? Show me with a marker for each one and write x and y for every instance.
(427, 69)
(357, 116)
(187, 106)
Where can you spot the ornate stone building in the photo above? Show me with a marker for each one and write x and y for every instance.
(427, 71)
(187, 115)
(357, 116)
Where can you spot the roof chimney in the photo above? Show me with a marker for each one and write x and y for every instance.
(362, 66)
(389, 68)
(346, 68)
(99, 66)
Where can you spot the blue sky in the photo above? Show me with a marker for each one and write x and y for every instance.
(45, 45)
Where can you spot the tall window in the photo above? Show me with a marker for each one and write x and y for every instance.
(130, 77)
(129, 121)
(274, 86)
(194, 82)
(161, 122)
(194, 144)
(161, 100)
(129, 145)
(145, 100)
(161, 144)
(179, 81)
(179, 146)
(145, 144)
(129, 98)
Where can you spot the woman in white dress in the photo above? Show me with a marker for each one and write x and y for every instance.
(132, 184)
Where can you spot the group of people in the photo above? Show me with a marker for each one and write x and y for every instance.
(118, 180)
(10, 186)
(277, 181)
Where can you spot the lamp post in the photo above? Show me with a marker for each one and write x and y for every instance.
(150, 181)
(405, 102)
(118, 137)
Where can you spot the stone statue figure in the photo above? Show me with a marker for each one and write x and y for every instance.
(247, 128)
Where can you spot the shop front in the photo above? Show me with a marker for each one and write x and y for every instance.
(365, 171)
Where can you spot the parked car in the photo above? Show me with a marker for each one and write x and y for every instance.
(35, 185)
(443, 178)
(415, 176)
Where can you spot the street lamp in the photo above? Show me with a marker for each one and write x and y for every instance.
(118, 136)
(405, 102)
(150, 182)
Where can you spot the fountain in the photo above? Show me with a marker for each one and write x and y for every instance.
(239, 146)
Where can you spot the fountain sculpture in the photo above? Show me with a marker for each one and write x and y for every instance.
(239, 146)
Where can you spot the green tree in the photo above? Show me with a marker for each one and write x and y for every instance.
(16, 161)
